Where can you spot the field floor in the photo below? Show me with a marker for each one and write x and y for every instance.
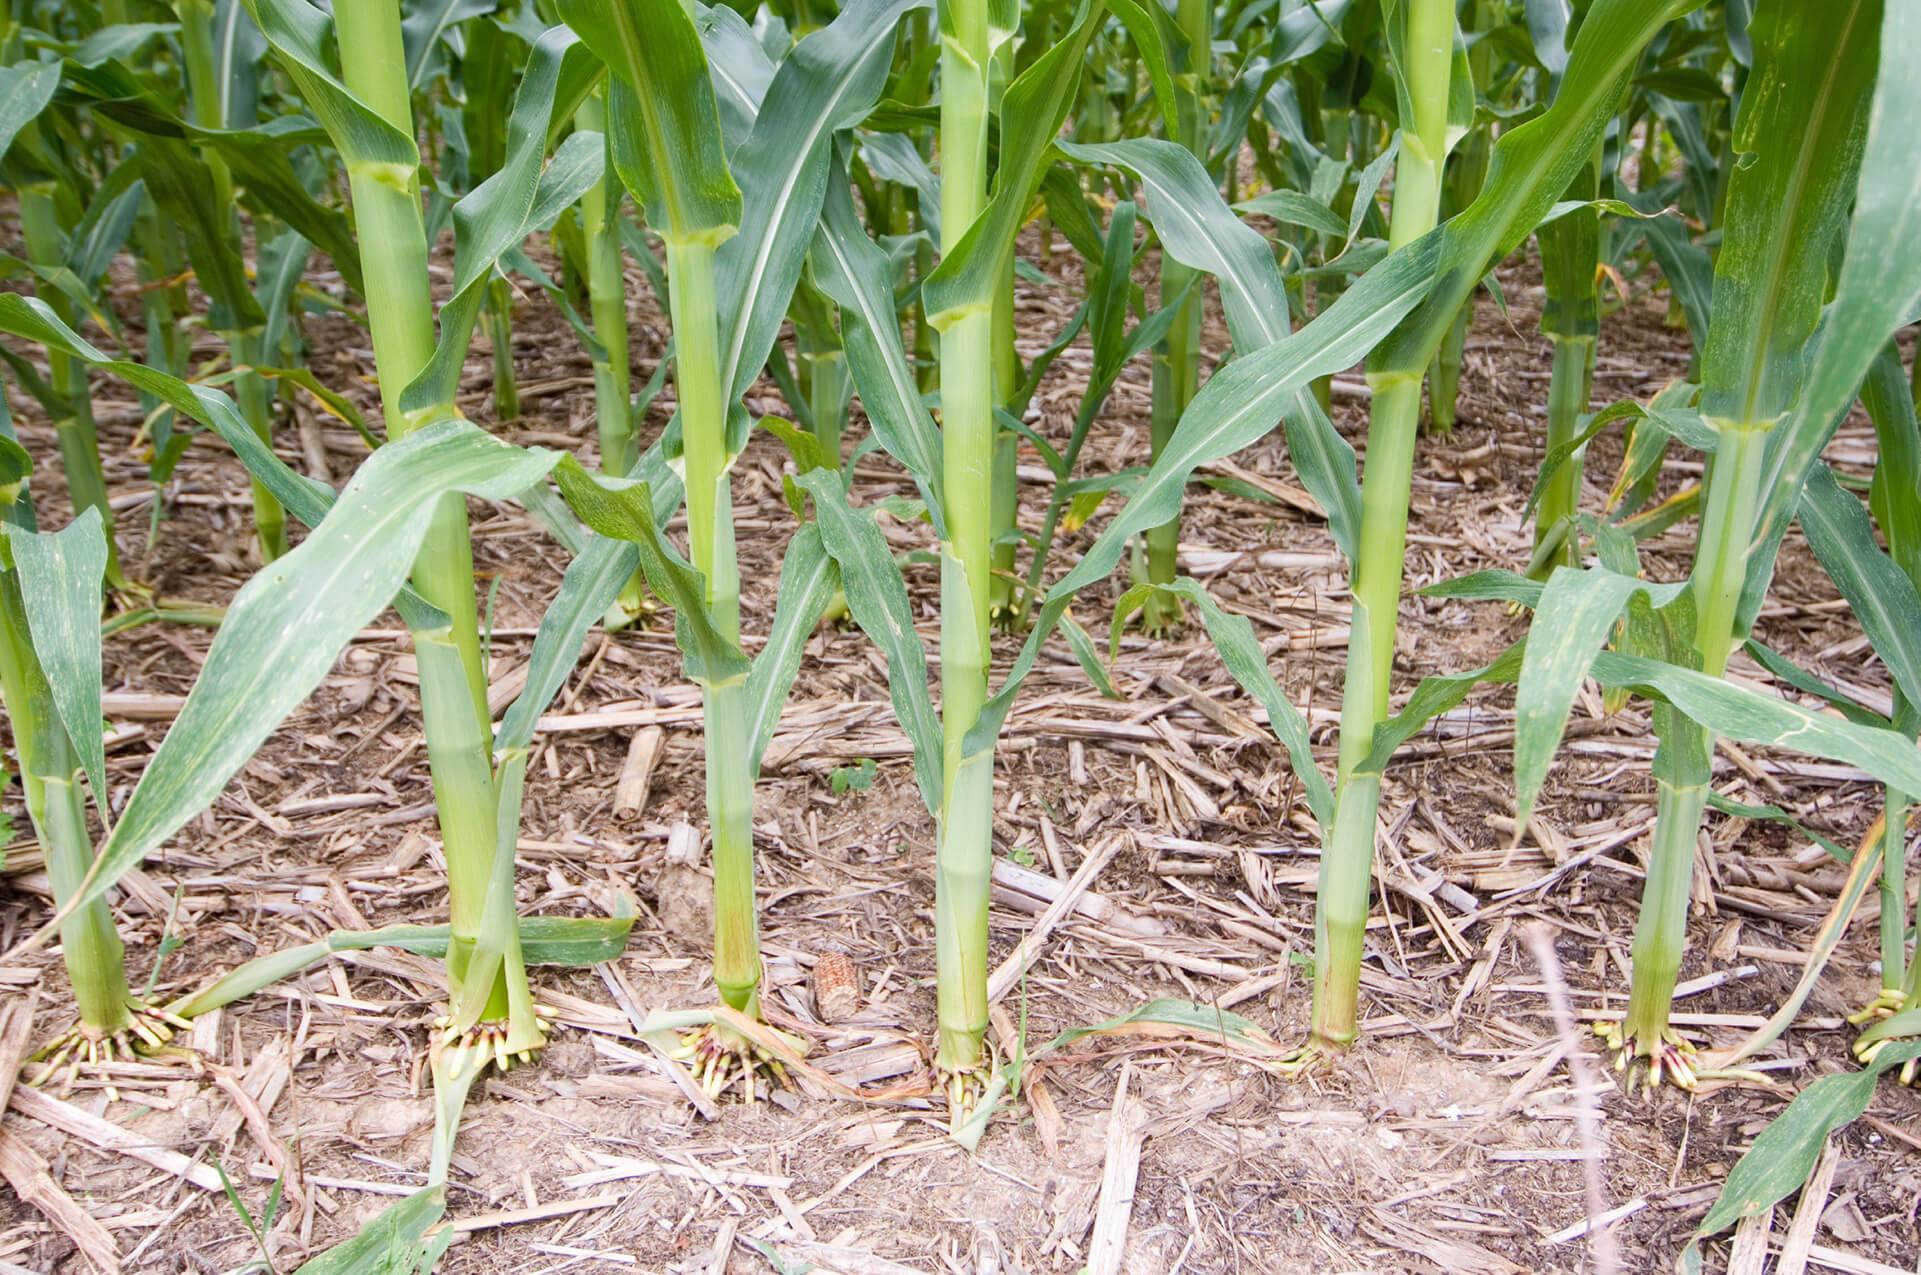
(1447, 1141)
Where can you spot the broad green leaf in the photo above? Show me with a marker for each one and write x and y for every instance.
(1878, 289)
(1785, 670)
(808, 580)
(1881, 596)
(1798, 140)
(1754, 718)
(662, 118)
(1894, 495)
(25, 90)
(1292, 208)
(877, 596)
(304, 498)
(238, 47)
(302, 38)
(1784, 1155)
(393, 1243)
(285, 627)
(62, 580)
(740, 67)
(1576, 612)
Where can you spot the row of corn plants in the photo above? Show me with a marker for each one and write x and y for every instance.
(739, 148)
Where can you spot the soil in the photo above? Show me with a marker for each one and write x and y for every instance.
(1449, 1139)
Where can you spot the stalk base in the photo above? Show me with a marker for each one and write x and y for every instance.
(723, 1059)
(1888, 1002)
(1646, 1062)
(966, 1088)
(82, 1048)
(501, 1041)
(1893, 1017)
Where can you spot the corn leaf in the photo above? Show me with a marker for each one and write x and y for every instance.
(178, 181)
(662, 119)
(808, 581)
(1881, 596)
(1198, 229)
(25, 90)
(62, 577)
(1241, 653)
(852, 269)
(1799, 138)
(394, 1243)
(1576, 612)
(1878, 289)
(1784, 1155)
(286, 625)
(300, 36)
(877, 596)
(426, 23)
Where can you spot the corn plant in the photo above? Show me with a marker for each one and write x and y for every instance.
(51, 593)
(1774, 386)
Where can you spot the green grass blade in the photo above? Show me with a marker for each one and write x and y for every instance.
(1880, 594)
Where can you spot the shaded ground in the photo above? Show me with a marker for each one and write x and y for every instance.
(1446, 1142)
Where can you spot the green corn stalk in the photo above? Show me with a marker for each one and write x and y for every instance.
(1785, 207)
(1570, 257)
(607, 296)
(1341, 905)
(51, 775)
(1177, 360)
(966, 348)
(74, 426)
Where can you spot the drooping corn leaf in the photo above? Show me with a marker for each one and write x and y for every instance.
(1241, 654)
(301, 36)
(179, 181)
(1786, 670)
(852, 269)
(624, 509)
(662, 119)
(1879, 284)
(877, 596)
(285, 627)
(1784, 1154)
(741, 68)
(573, 942)
(808, 579)
(1879, 593)
(62, 583)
